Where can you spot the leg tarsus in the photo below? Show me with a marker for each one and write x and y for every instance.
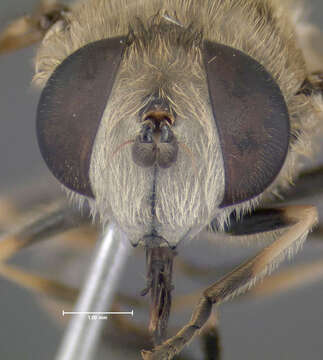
(174, 345)
(301, 219)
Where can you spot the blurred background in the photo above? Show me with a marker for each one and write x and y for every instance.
(283, 326)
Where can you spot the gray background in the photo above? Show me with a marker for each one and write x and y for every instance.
(286, 326)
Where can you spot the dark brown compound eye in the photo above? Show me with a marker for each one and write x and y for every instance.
(70, 110)
(251, 118)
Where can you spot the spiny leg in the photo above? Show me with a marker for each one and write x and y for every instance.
(308, 184)
(301, 220)
(283, 281)
(260, 221)
(28, 30)
(288, 279)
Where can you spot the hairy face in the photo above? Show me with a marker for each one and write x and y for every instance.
(163, 130)
(168, 203)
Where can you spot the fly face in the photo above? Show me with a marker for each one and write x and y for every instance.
(153, 163)
(173, 129)
(166, 131)
(192, 117)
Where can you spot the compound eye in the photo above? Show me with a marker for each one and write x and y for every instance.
(251, 118)
(71, 107)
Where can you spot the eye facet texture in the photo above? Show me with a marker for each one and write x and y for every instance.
(251, 118)
(70, 110)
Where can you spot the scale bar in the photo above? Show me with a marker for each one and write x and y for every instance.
(97, 313)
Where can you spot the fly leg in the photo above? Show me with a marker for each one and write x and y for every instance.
(299, 220)
(31, 29)
(56, 218)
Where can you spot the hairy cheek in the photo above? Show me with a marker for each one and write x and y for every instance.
(121, 188)
(173, 199)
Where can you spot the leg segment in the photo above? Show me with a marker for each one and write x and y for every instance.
(56, 218)
(38, 283)
(290, 278)
(259, 221)
(28, 30)
(301, 220)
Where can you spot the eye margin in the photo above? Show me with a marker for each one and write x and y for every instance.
(66, 123)
(254, 145)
